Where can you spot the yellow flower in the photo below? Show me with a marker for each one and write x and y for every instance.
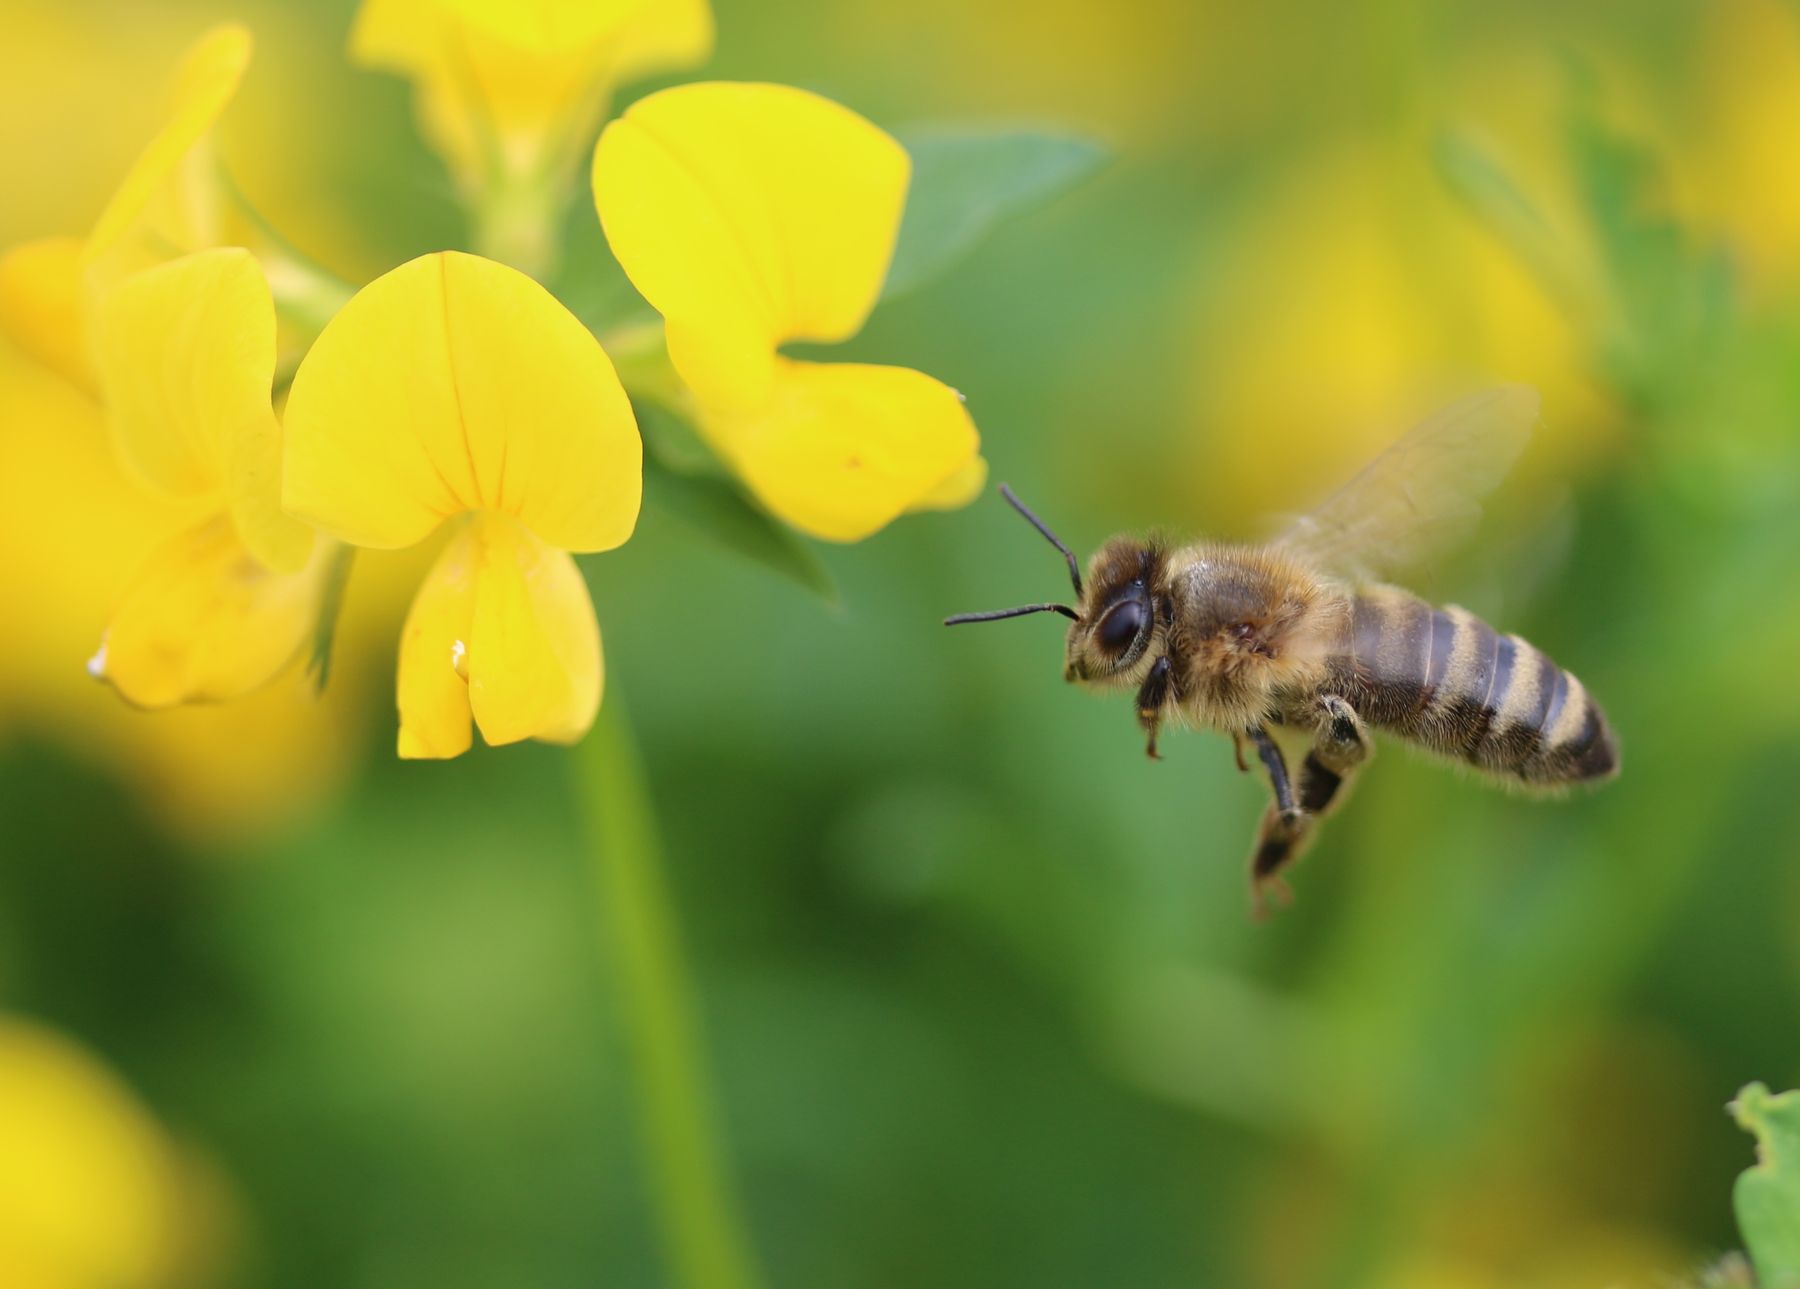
(40, 305)
(186, 356)
(754, 215)
(457, 387)
(510, 91)
(91, 1189)
(210, 773)
(181, 344)
(170, 201)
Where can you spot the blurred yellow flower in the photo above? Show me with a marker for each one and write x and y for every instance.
(181, 345)
(170, 201)
(457, 387)
(1740, 164)
(753, 215)
(71, 523)
(1325, 335)
(40, 306)
(510, 91)
(91, 1190)
(186, 355)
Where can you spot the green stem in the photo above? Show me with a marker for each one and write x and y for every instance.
(305, 293)
(695, 1205)
(516, 219)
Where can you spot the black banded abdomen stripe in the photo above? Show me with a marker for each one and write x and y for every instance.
(1391, 647)
(1447, 680)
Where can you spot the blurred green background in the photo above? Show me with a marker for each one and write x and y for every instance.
(982, 1001)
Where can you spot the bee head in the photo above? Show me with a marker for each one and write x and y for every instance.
(1114, 616)
(1115, 625)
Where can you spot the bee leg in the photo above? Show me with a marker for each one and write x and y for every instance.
(1278, 772)
(1339, 747)
(1237, 751)
(1341, 743)
(1152, 694)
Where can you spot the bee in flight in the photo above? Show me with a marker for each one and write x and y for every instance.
(1299, 635)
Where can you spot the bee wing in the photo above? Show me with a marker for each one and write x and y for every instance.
(1423, 493)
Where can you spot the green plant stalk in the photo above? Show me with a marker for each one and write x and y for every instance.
(695, 1204)
(516, 220)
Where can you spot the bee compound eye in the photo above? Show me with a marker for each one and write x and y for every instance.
(1121, 625)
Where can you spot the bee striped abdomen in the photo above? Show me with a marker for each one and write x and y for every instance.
(1448, 681)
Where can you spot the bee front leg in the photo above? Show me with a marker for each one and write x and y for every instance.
(1151, 697)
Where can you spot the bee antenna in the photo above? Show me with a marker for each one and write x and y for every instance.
(1074, 564)
(994, 615)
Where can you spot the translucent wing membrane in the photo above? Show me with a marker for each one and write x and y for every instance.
(1423, 494)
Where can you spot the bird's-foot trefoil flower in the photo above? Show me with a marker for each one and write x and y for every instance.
(510, 92)
(176, 335)
(168, 204)
(186, 356)
(457, 389)
(753, 215)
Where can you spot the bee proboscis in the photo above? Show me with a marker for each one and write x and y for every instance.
(1298, 635)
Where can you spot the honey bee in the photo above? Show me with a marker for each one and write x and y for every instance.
(1299, 635)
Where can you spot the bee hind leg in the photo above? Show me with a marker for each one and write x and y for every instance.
(1339, 747)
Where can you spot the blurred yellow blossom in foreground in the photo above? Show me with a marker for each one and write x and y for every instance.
(91, 1189)
(753, 215)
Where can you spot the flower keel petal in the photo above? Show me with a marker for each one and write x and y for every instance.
(204, 620)
(433, 691)
(534, 654)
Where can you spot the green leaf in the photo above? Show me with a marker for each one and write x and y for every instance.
(716, 507)
(965, 181)
(1768, 1196)
(331, 606)
(671, 441)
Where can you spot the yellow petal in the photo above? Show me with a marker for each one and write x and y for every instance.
(840, 449)
(544, 26)
(502, 628)
(91, 1189)
(749, 215)
(203, 620)
(661, 36)
(40, 305)
(433, 687)
(518, 83)
(958, 490)
(72, 529)
(167, 202)
(454, 383)
(534, 649)
(186, 353)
